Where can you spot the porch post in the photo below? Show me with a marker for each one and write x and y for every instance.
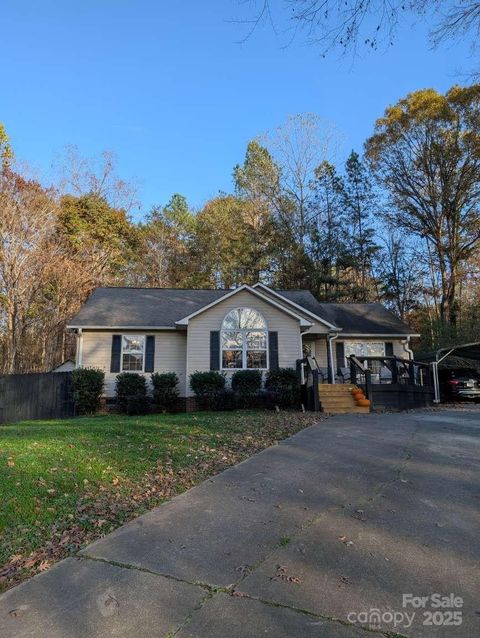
(331, 360)
(436, 384)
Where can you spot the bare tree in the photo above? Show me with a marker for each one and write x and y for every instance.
(370, 23)
(79, 175)
(27, 227)
(298, 147)
(401, 273)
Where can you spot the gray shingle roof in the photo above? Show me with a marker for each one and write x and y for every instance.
(162, 307)
(354, 318)
(141, 307)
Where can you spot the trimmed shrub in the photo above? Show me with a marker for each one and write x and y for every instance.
(131, 393)
(165, 390)
(224, 400)
(285, 385)
(88, 386)
(207, 386)
(247, 383)
(137, 404)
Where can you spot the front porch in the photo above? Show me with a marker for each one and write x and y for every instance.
(388, 382)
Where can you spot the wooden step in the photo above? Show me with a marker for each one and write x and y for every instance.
(331, 393)
(336, 396)
(341, 403)
(358, 409)
(327, 388)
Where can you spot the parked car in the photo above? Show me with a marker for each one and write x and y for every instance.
(460, 384)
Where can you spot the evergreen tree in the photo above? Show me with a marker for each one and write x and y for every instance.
(360, 202)
(328, 246)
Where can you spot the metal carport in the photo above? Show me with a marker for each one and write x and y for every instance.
(465, 351)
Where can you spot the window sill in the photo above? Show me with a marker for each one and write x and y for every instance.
(236, 369)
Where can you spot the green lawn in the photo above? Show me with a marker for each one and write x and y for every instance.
(65, 483)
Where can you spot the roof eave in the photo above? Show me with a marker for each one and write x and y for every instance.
(105, 327)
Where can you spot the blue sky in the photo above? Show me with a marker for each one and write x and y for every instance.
(168, 87)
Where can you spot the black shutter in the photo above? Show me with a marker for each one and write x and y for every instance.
(340, 351)
(149, 353)
(388, 349)
(116, 353)
(214, 350)
(273, 350)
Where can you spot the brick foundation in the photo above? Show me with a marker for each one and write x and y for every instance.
(191, 404)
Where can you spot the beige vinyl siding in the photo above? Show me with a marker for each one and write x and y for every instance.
(319, 350)
(199, 328)
(170, 354)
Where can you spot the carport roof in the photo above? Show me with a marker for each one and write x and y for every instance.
(463, 350)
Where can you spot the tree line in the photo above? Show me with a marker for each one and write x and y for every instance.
(399, 224)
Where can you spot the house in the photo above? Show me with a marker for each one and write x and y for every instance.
(148, 330)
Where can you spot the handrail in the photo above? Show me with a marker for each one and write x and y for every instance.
(355, 364)
(386, 357)
(403, 370)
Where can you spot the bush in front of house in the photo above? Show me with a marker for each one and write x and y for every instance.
(224, 400)
(165, 390)
(208, 388)
(88, 384)
(131, 393)
(246, 384)
(284, 386)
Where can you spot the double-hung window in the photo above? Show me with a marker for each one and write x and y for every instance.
(244, 340)
(133, 353)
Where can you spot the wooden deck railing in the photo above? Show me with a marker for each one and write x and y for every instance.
(393, 382)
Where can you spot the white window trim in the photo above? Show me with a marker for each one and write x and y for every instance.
(244, 349)
(144, 337)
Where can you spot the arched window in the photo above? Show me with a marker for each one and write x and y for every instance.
(244, 340)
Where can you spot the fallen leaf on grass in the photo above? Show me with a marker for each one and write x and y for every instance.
(344, 540)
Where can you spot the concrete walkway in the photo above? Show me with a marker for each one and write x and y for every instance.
(301, 540)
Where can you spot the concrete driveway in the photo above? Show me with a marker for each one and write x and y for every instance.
(321, 535)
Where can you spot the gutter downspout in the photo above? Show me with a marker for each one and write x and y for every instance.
(407, 348)
(330, 339)
(78, 363)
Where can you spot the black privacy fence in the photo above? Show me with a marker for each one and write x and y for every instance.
(46, 395)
